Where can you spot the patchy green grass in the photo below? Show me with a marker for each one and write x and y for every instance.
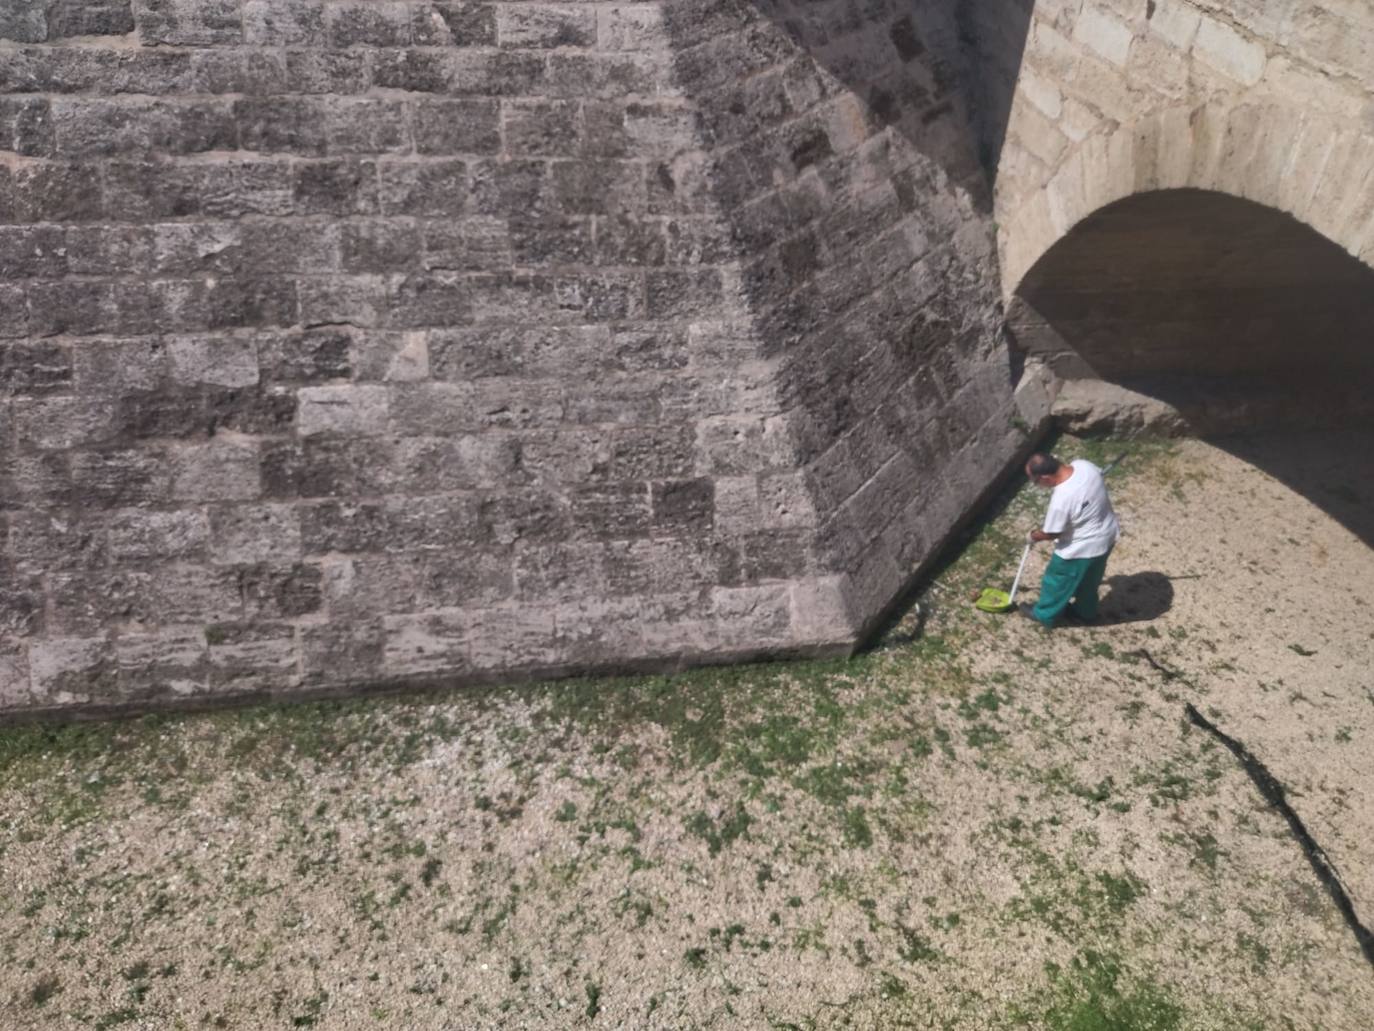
(856, 841)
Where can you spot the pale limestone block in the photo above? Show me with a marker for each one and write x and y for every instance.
(1366, 254)
(244, 534)
(1223, 48)
(1340, 40)
(1346, 217)
(665, 634)
(1157, 68)
(637, 28)
(1078, 120)
(1174, 149)
(1038, 135)
(1332, 184)
(1097, 170)
(1237, 148)
(1276, 140)
(1019, 172)
(254, 665)
(1121, 163)
(1050, 52)
(1055, 12)
(1034, 393)
(403, 360)
(846, 123)
(1145, 143)
(818, 614)
(220, 361)
(513, 637)
(172, 661)
(221, 469)
(1064, 193)
(1286, 79)
(1105, 34)
(1267, 19)
(1028, 237)
(1310, 157)
(65, 670)
(1360, 220)
(661, 131)
(14, 676)
(1176, 22)
(1105, 89)
(1209, 135)
(785, 502)
(738, 506)
(430, 642)
(346, 410)
(752, 617)
(878, 576)
(1041, 92)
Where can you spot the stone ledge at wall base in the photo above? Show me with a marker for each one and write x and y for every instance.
(426, 686)
(1198, 406)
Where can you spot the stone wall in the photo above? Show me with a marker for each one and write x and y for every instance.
(842, 157)
(347, 344)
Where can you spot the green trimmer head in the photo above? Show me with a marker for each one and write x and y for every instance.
(990, 599)
(993, 600)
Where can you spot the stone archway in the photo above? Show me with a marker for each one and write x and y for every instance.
(1217, 260)
(1313, 166)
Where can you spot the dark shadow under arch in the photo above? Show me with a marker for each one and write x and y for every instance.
(1239, 316)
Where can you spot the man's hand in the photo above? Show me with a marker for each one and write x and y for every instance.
(1041, 535)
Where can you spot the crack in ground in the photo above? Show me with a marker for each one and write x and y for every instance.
(1272, 791)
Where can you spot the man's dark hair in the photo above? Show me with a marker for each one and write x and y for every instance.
(1042, 465)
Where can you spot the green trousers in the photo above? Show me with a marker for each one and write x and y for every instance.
(1070, 583)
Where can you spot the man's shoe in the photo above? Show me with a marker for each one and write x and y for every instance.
(1081, 620)
(1027, 610)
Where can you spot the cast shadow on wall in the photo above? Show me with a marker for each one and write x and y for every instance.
(918, 66)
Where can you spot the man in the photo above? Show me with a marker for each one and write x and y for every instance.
(1084, 529)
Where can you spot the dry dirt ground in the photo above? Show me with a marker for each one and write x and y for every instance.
(976, 824)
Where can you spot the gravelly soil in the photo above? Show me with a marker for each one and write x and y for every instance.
(976, 824)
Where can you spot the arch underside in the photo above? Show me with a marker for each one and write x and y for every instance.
(1207, 259)
(1186, 282)
(1312, 166)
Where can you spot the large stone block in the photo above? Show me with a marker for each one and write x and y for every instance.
(251, 658)
(273, 23)
(1223, 48)
(426, 644)
(29, 369)
(545, 25)
(456, 127)
(73, 671)
(53, 192)
(138, 534)
(348, 411)
(190, 22)
(463, 24)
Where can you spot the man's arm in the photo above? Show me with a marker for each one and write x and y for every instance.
(1041, 535)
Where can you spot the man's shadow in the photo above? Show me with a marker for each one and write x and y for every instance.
(1135, 598)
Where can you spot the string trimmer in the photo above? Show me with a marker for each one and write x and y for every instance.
(990, 599)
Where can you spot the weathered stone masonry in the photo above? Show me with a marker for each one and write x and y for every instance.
(348, 343)
(360, 343)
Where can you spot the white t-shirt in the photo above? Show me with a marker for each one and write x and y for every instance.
(1081, 513)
